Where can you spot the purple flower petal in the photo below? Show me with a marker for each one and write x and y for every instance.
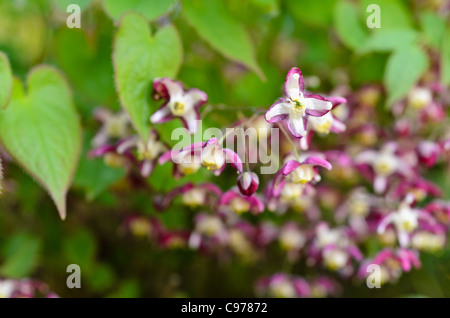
(294, 82)
(289, 166)
(316, 161)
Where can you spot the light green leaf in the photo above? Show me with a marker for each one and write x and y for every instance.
(348, 25)
(214, 23)
(445, 58)
(389, 40)
(394, 14)
(433, 26)
(21, 255)
(312, 12)
(41, 130)
(63, 4)
(403, 70)
(150, 9)
(6, 80)
(139, 57)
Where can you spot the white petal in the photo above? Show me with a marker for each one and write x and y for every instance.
(380, 184)
(292, 88)
(367, 156)
(160, 114)
(173, 88)
(296, 124)
(317, 104)
(385, 222)
(278, 109)
(191, 121)
(194, 96)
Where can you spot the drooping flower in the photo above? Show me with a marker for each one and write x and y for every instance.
(210, 154)
(239, 203)
(248, 183)
(146, 152)
(292, 239)
(179, 103)
(405, 220)
(303, 171)
(428, 152)
(384, 164)
(191, 195)
(297, 105)
(392, 264)
(324, 124)
(115, 126)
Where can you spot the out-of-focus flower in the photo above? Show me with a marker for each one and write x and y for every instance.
(429, 238)
(24, 288)
(419, 187)
(428, 152)
(440, 210)
(324, 124)
(292, 239)
(405, 220)
(297, 105)
(210, 154)
(304, 171)
(142, 226)
(209, 230)
(191, 195)
(178, 103)
(248, 183)
(240, 204)
(146, 152)
(392, 263)
(281, 285)
(115, 126)
(384, 164)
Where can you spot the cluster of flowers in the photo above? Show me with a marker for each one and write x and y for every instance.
(25, 288)
(374, 187)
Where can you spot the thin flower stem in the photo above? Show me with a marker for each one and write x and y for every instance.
(294, 148)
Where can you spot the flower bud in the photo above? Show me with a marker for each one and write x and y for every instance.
(248, 183)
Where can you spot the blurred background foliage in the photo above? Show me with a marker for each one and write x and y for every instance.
(236, 51)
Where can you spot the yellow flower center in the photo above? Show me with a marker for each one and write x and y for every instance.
(302, 174)
(299, 107)
(177, 108)
(239, 205)
(189, 168)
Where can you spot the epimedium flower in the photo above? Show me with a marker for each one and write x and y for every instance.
(392, 263)
(405, 220)
(179, 103)
(115, 126)
(281, 285)
(324, 124)
(239, 203)
(209, 154)
(248, 183)
(303, 171)
(384, 163)
(147, 152)
(297, 105)
(191, 195)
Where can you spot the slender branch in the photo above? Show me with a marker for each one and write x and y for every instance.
(294, 148)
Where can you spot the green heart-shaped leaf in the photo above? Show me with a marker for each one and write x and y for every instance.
(403, 70)
(214, 23)
(138, 58)
(41, 130)
(6, 81)
(150, 9)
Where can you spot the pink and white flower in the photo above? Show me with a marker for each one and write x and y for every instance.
(405, 220)
(384, 163)
(248, 183)
(239, 203)
(179, 103)
(210, 154)
(303, 171)
(298, 105)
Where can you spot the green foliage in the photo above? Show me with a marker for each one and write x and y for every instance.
(6, 80)
(139, 57)
(348, 25)
(403, 70)
(217, 26)
(21, 254)
(41, 130)
(150, 9)
(388, 40)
